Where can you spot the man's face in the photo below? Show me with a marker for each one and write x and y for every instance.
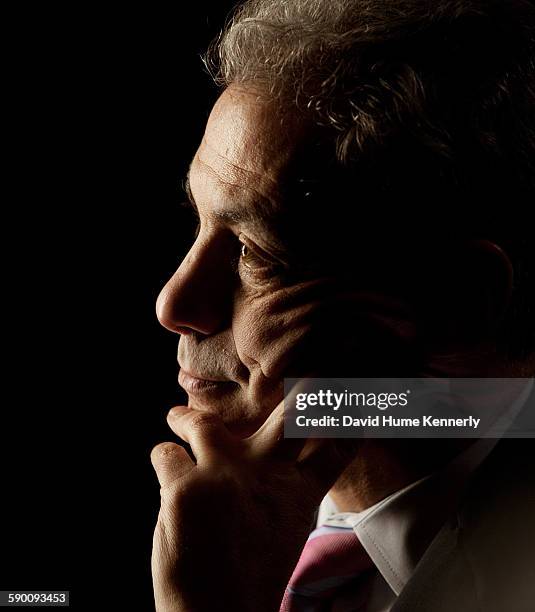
(241, 320)
(248, 311)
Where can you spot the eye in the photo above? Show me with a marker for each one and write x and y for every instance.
(257, 265)
(252, 260)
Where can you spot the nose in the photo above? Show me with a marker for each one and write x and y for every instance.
(198, 297)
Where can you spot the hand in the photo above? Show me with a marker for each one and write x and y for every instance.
(234, 519)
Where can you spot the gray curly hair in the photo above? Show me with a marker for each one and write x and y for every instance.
(370, 69)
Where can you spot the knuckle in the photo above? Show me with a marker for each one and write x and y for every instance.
(202, 420)
(201, 492)
(226, 478)
(173, 496)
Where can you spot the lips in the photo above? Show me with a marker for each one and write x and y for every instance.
(197, 383)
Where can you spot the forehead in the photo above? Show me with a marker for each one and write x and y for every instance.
(248, 151)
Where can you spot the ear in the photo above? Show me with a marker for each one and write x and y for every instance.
(484, 288)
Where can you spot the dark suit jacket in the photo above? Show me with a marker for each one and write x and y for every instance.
(483, 558)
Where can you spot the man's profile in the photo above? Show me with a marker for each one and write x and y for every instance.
(364, 188)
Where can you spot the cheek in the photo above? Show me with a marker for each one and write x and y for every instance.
(319, 329)
(270, 329)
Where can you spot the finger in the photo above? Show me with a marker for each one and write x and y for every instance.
(324, 460)
(270, 439)
(204, 432)
(170, 462)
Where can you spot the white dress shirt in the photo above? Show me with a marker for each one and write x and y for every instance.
(397, 530)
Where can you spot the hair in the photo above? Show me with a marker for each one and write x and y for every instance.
(432, 100)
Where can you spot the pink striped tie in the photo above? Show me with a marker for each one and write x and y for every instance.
(332, 557)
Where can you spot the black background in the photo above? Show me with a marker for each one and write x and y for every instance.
(104, 106)
(106, 109)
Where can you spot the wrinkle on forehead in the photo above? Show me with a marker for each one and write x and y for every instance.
(234, 179)
(248, 135)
